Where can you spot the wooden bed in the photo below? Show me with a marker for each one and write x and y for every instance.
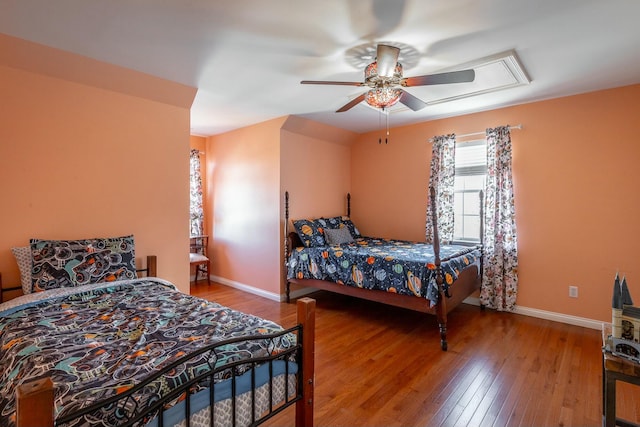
(468, 281)
(274, 378)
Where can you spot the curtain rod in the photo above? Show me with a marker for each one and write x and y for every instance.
(464, 135)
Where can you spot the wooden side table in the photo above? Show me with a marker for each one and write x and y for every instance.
(615, 368)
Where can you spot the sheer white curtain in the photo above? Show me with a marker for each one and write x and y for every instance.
(500, 260)
(442, 177)
(196, 217)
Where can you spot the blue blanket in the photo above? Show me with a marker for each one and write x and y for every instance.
(99, 340)
(396, 266)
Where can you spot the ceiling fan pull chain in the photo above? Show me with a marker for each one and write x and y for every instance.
(386, 140)
(379, 123)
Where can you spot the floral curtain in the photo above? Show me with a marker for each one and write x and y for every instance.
(196, 218)
(442, 178)
(500, 260)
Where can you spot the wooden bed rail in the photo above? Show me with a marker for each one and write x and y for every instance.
(35, 399)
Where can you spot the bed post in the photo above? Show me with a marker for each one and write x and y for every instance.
(481, 272)
(286, 244)
(34, 404)
(306, 317)
(441, 306)
(152, 266)
(349, 205)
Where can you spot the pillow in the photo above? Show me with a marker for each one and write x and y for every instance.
(311, 232)
(69, 263)
(23, 258)
(338, 236)
(351, 226)
(342, 221)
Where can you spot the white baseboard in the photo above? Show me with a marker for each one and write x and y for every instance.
(549, 315)
(525, 311)
(260, 292)
(246, 288)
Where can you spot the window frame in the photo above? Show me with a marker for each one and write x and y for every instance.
(475, 170)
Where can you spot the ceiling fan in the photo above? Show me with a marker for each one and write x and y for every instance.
(385, 80)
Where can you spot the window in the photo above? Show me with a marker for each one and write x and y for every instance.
(471, 172)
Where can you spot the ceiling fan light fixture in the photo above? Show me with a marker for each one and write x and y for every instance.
(383, 97)
(371, 73)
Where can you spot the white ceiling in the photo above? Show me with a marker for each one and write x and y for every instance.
(247, 57)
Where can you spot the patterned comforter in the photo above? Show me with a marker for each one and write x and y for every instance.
(98, 340)
(391, 265)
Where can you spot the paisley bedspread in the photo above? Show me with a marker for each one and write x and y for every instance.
(391, 265)
(98, 340)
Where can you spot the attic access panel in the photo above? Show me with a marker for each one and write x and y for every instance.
(493, 73)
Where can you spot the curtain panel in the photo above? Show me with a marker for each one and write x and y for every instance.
(196, 211)
(500, 259)
(442, 179)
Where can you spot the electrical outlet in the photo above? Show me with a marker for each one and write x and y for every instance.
(573, 291)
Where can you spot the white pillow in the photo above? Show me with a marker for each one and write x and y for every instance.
(23, 258)
(337, 236)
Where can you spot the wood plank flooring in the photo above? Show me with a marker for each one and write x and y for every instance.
(378, 365)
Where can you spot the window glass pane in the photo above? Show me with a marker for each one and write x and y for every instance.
(471, 170)
(474, 182)
(457, 226)
(472, 227)
(469, 182)
(458, 203)
(471, 154)
(471, 203)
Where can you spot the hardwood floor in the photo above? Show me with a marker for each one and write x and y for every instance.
(378, 365)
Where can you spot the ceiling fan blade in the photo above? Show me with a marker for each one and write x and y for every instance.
(411, 101)
(349, 105)
(464, 76)
(324, 82)
(387, 58)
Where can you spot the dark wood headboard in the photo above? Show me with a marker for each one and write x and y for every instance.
(9, 292)
(293, 241)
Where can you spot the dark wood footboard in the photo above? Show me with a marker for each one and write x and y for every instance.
(35, 399)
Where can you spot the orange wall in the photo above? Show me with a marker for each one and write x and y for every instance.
(248, 171)
(244, 171)
(79, 161)
(316, 170)
(577, 204)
